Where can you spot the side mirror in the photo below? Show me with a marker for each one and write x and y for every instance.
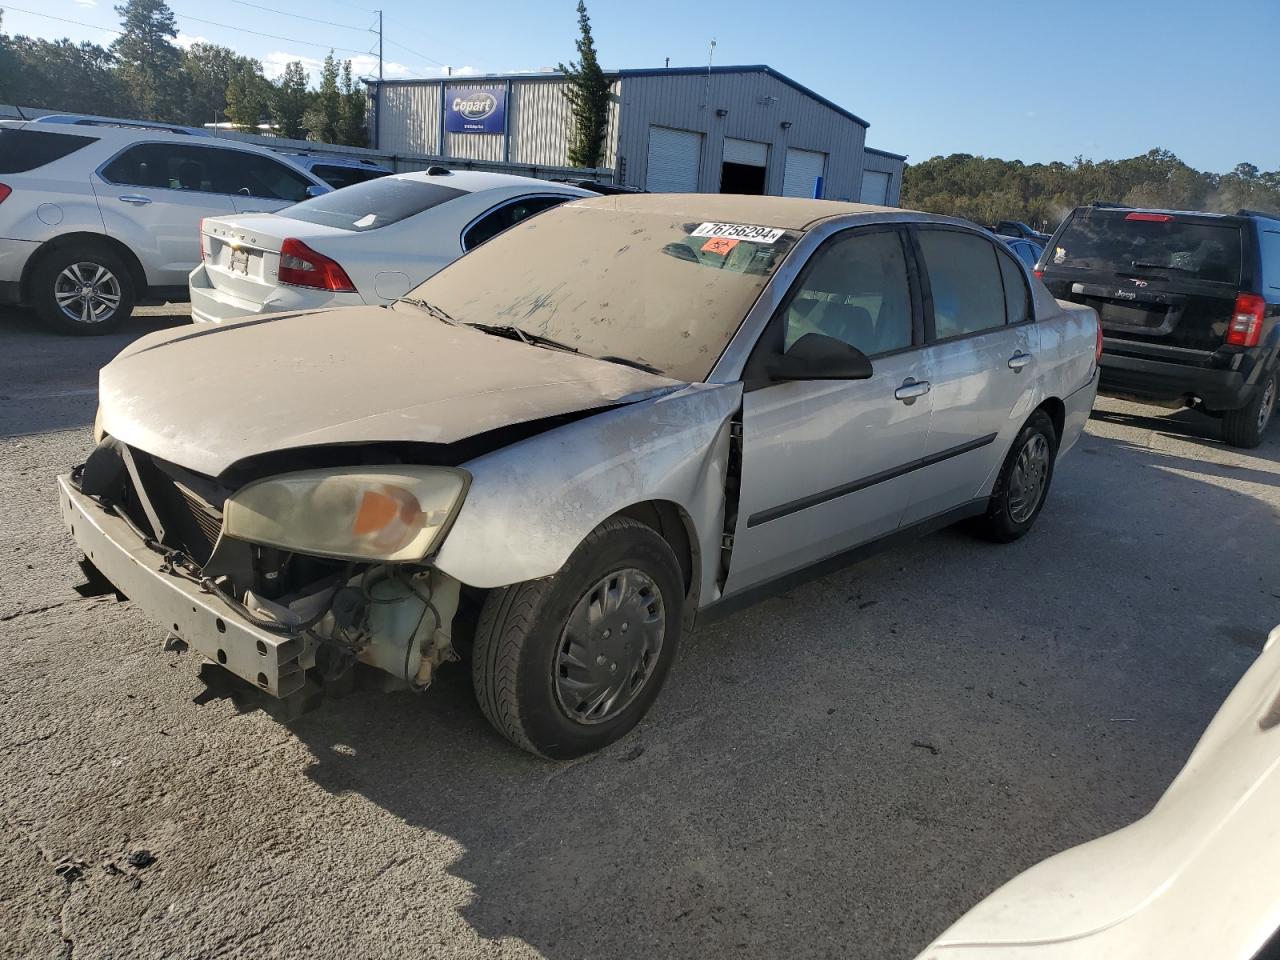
(315, 190)
(818, 357)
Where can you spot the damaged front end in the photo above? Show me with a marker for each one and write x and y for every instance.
(291, 582)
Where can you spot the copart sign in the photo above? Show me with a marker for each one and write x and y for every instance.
(475, 110)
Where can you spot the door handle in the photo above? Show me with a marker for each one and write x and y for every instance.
(135, 199)
(1019, 360)
(910, 390)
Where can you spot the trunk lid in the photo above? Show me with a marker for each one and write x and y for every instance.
(1153, 277)
(242, 254)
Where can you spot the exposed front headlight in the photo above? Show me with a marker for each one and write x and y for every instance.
(359, 513)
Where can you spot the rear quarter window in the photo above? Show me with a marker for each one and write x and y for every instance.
(339, 176)
(1169, 248)
(1271, 258)
(373, 204)
(23, 150)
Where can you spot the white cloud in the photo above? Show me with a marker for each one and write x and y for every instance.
(362, 65)
(86, 4)
(184, 40)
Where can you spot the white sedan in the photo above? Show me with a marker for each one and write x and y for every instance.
(370, 243)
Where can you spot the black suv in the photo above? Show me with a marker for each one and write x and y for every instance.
(1189, 303)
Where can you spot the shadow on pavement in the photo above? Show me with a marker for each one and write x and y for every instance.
(810, 782)
(1184, 423)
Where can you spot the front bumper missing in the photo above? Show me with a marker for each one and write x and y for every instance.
(274, 663)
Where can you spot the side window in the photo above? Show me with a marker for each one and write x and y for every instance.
(505, 216)
(1016, 298)
(964, 277)
(1271, 258)
(253, 175)
(856, 290)
(161, 165)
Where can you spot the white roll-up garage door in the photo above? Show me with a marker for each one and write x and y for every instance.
(875, 187)
(804, 167)
(746, 151)
(673, 160)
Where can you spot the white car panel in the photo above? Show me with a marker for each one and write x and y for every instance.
(383, 263)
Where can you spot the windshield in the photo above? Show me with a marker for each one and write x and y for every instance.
(372, 204)
(644, 288)
(1172, 247)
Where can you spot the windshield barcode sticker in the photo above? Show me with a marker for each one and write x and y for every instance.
(738, 231)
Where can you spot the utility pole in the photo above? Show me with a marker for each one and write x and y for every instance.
(379, 47)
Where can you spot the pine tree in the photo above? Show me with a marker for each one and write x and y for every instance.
(289, 101)
(150, 64)
(588, 95)
(248, 97)
(351, 124)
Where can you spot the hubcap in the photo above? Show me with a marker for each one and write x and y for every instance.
(87, 293)
(1268, 404)
(609, 646)
(1030, 470)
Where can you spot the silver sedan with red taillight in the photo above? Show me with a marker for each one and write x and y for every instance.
(370, 243)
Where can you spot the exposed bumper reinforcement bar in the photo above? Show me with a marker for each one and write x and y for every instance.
(274, 663)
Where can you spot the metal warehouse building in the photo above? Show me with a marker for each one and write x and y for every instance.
(710, 130)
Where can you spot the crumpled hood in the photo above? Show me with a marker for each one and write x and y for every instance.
(208, 397)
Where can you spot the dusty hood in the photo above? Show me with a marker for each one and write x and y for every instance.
(206, 398)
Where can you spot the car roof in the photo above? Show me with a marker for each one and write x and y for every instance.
(311, 159)
(788, 213)
(473, 181)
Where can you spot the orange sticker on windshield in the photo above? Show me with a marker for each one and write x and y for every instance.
(720, 245)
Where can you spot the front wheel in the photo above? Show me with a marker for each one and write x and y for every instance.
(566, 665)
(1245, 427)
(82, 289)
(1023, 484)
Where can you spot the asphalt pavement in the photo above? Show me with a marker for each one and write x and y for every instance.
(837, 772)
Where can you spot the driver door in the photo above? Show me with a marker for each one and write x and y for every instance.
(826, 463)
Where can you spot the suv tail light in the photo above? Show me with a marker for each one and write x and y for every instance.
(303, 267)
(1039, 274)
(1097, 349)
(202, 238)
(1246, 321)
(5, 190)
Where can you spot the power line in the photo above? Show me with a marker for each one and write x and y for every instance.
(49, 16)
(420, 56)
(269, 36)
(298, 16)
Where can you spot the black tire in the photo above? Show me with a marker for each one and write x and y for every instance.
(110, 304)
(1004, 520)
(521, 639)
(1246, 426)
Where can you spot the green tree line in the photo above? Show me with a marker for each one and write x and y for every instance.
(987, 189)
(145, 75)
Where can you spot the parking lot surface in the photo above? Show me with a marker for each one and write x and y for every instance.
(840, 771)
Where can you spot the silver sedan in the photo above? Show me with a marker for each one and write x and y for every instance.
(620, 418)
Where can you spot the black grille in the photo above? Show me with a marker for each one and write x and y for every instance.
(208, 520)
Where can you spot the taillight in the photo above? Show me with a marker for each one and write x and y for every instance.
(1245, 329)
(5, 190)
(1039, 274)
(202, 238)
(303, 267)
(1097, 347)
(1152, 217)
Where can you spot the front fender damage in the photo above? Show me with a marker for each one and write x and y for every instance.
(531, 504)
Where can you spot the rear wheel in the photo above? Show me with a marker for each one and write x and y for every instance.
(1023, 483)
(568, 664)
(1245, 427)
(82, 289)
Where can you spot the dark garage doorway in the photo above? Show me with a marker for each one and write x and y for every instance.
(742, 178)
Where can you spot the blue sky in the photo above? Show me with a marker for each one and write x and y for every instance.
(1028, 80)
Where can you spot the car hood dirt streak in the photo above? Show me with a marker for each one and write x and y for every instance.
(210, 397)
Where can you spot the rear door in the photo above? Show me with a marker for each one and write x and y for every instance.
(826, 463)
(981, 360)
(153, 196)
(1156, 279)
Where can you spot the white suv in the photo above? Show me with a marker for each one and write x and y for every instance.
(94, 218)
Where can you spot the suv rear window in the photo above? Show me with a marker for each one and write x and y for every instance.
(1171, 247)
(372, 204)
(23, 150)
